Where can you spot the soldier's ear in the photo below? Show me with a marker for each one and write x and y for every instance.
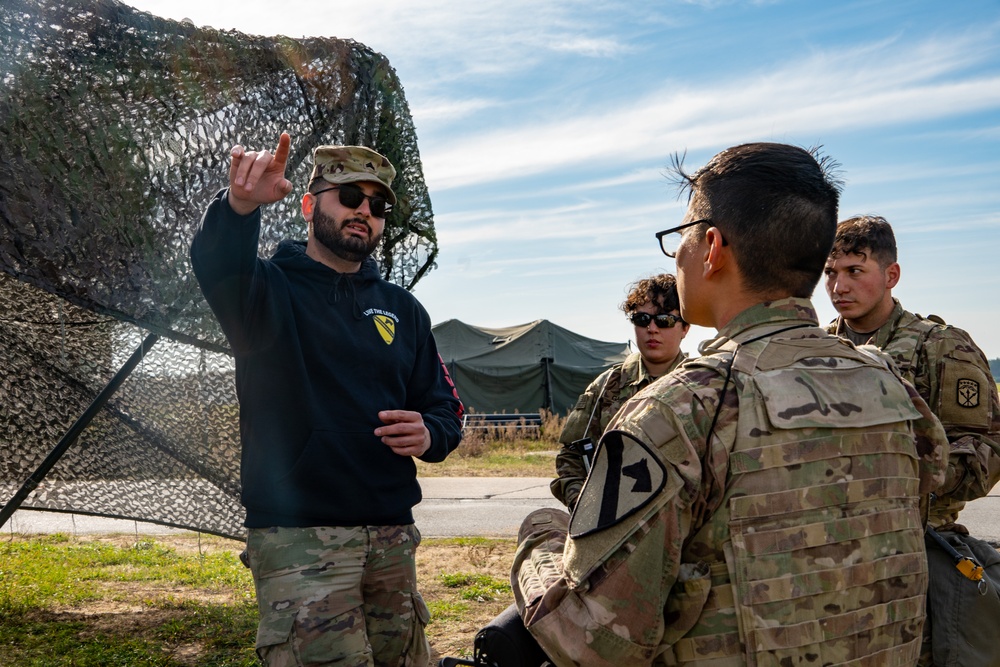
(716, 256)
(892, 275)
(308, 206)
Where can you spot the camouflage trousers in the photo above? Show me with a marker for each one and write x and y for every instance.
(344, 596)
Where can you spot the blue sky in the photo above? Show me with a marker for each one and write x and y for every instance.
(545, 127)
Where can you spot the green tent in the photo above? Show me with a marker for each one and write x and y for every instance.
(522, 368)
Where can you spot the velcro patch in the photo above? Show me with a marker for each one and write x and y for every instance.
(626, 475)
(964, 395)
(967, 393)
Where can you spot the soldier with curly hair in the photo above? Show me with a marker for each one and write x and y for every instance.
(653, 309)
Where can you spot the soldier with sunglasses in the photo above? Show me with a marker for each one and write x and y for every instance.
(340, 387)
(652, 307)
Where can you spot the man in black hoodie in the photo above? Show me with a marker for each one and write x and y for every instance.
(340, 386)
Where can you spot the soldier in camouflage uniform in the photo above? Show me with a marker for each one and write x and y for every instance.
(947, 368)
(758, 505)
(654, 310)
(951, 373)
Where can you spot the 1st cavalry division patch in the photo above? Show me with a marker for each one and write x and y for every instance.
(386, 328)
(626, 476)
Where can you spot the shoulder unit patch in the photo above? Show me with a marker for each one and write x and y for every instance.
(626, 475)
(967, 393)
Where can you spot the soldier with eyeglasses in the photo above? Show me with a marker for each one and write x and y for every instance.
(653, 309)
(759, 505)
(340, 388)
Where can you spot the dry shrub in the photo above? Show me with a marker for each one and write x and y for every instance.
(552, 426)
(478, 441)
(485, 555)
(474, 444)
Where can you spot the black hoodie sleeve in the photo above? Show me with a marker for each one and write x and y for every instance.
(224, 259)
(432, 393)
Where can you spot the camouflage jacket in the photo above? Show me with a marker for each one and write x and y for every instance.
(591, 415)
(760, 499)
(953, 376)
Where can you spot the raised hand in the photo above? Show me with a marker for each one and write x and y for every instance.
(258, 178)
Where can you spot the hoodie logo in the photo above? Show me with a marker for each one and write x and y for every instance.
(386, 328)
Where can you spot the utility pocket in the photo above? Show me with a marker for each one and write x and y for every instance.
(274, 630)
(686, 600)
(418, 652)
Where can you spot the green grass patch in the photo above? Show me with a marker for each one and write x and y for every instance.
(447, 610)
(465, 541)
(109, 602)
(477, 587)
(186, 601)
(49, 570)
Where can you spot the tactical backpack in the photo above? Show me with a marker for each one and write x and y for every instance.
(963, 600)
(504, 642)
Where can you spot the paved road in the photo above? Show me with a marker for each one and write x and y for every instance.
(452, 507)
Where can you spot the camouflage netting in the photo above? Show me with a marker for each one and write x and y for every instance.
(115, 130)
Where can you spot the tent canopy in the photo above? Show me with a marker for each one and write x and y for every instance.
(522, 368)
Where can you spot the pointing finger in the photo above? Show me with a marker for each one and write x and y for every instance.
(281, 152)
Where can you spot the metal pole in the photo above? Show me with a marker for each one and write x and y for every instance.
(74, 432)
(546, 361)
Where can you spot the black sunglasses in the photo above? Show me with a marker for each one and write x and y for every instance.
(663, 320)
(351, 196)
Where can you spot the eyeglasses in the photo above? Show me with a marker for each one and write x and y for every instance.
(351, 196)
(670, 243)
(663, 320)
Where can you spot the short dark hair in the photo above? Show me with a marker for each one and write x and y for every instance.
(866, 235)
(660, 290)
(776, 205)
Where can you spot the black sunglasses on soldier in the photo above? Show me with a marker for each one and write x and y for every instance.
(662, 320)
(351, 196)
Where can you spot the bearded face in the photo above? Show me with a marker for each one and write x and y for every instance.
(351, 239)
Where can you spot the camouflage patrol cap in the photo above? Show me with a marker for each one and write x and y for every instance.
(350, 164)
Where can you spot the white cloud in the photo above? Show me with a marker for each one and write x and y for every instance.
(587, 46)
(877, 174)
(445, 39)
(443, 110)
(877, 85)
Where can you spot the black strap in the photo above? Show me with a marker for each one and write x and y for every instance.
(968, 566)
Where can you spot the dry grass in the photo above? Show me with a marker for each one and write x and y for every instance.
(502, 451)
(466, 583)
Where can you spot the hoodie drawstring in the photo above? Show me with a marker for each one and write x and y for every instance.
(333, 296)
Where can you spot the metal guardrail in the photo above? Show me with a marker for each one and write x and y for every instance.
(527, 420)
